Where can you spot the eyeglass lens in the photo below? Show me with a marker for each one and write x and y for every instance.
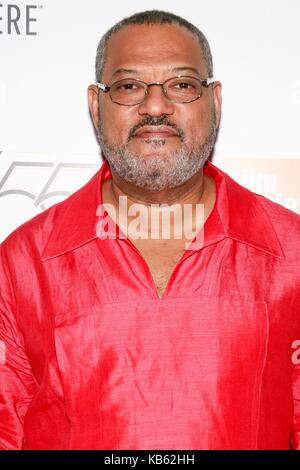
(179, 89)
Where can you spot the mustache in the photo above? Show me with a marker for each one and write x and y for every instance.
(153, 121)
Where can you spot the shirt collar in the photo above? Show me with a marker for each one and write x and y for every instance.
(237, 215)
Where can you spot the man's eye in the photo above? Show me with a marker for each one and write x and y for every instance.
(127, 87)
(184, 85)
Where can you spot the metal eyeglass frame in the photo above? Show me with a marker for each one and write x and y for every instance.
(106, 88)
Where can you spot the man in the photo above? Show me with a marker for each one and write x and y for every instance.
(119, 341)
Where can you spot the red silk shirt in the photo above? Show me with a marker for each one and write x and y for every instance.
(92, 358)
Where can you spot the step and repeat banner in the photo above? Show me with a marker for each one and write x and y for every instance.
(48, 147)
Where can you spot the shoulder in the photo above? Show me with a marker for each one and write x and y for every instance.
(284, 222)
(33, 234)
(280, 216)
(252, 217)
(64, 220)
(277, 213)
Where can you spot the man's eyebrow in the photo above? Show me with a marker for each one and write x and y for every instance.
(122, 70)
(181, 69)
(174, 69)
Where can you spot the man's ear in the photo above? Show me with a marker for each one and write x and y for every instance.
(217, 92)
(93, 100)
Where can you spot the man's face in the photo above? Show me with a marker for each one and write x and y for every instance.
(157, 144)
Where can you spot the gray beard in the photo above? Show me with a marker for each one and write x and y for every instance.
(158, 172)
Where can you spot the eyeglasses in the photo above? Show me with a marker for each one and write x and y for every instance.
(132, 91)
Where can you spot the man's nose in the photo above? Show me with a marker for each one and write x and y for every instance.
(156, 103)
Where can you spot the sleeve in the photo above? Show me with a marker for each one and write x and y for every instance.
(17, 384)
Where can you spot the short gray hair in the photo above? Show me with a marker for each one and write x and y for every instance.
(151, 17)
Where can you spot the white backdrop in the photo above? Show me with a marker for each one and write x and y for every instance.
(47, 144)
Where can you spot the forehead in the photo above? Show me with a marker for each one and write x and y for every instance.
(153, 47)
